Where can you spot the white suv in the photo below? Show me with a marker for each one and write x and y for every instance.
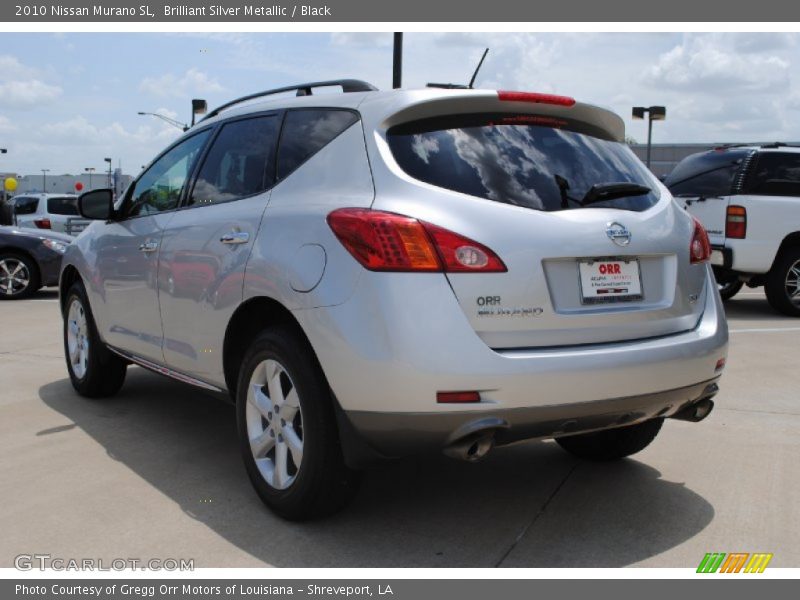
(748, 198)
(58, 212)
(369, 275)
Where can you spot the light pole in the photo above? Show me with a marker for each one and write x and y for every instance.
(44, 179)
(108, 160)
(89, 170)
(171, 121)
(655, 113)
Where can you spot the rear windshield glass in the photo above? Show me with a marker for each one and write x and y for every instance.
(62, 206)
(542, 163)
(708, 174)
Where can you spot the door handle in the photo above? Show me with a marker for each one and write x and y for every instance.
(235, 237)
(148, 247)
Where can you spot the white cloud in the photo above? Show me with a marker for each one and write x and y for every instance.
(371, 39)
(21, 87)
(6, 126)
(28, 94)
(193, 81)
(712, 64)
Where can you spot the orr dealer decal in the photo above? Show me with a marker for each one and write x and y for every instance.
(490, 306)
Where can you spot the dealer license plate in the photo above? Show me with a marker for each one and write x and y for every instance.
(610, 280)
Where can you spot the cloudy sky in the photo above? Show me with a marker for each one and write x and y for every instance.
(69, 100)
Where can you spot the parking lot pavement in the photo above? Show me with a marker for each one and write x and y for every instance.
(155, 473)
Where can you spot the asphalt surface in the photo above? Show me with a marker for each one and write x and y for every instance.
(155, 473)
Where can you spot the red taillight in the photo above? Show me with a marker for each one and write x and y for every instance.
(536, 98)
(736, 222)
(457, 397)
(700, 248)
(42, 223)
(383, 241)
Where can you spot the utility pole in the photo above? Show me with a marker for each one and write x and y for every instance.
(44, 180)
(397, 61)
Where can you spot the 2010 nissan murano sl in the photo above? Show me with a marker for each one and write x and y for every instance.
(374, 274)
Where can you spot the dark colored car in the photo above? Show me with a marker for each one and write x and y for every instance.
(29, 259)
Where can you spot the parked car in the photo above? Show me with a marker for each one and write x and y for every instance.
(29, 260)
(748, 198)
(372, 274)
(57, 212)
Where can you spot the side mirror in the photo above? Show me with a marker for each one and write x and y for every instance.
(96, 204)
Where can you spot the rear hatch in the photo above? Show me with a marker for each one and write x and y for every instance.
(703, 183)
(587, 262)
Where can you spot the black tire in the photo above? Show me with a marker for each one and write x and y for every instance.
(612, 444)
(322, 484)
(104, 371)
(728, 284)
(29, 272)
(782, 280)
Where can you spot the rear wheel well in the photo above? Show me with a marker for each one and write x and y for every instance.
(250, 319)
(68, 278)
(790, 241)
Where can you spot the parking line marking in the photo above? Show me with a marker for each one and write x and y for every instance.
(764, 330)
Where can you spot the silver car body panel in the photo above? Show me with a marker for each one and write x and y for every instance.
(388, 342)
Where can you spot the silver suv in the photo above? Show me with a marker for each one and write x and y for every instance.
(373, 274)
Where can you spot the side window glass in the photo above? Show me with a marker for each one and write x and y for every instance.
(160, 187)
(775, 174)
(240, 162)
(25, 206)
(306, 132)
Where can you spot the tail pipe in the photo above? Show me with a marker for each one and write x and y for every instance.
(699, 409)
(473, 441)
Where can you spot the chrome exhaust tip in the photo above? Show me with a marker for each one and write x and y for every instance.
(471, 448)
(696, 412)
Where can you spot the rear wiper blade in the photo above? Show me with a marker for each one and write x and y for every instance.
(601, 192)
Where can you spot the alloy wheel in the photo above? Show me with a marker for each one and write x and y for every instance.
(274, 419)
(792, 283)
(14, 277)
(77, 338)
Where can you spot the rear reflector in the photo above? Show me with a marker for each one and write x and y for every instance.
(383, 241)
(736, 222)
(535, 98)
(42, 223)
(457, 397)
(700, 248)
(720, 365)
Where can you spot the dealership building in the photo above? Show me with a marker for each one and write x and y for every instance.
(68, 184)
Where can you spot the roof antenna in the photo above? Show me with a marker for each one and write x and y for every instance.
(478, 68)
(461, 86)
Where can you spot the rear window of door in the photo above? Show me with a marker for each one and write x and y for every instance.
(775, 174)
(63, 205)
(531, 161)
(239, 163)
(306, 131)
(706, 175)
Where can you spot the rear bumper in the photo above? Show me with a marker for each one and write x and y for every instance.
(400, 339)
(388, 435)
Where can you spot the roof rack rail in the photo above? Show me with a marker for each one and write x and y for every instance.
(779, 145)
(756, 144)
(302, 89)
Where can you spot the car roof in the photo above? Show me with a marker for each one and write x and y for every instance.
(378, 106)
